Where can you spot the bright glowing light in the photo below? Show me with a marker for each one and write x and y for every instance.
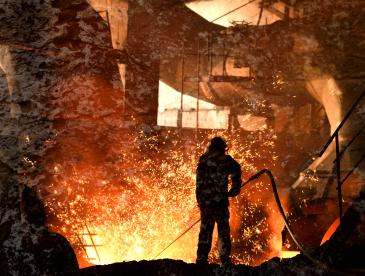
(330, 230)
(147, 199)
(288, 254)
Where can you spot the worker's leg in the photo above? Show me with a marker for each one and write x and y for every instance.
(224, 242)
(205, 235)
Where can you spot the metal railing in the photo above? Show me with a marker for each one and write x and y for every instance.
(339, 152)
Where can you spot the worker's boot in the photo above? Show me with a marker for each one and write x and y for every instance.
(226, 266)
(201, 262)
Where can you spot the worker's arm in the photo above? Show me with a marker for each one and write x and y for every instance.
(199, 183)
(236, 179)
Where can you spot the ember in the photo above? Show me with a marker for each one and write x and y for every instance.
(134, 202)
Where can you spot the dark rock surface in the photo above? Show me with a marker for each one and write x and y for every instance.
(54, 60)
(42, 252)
(343, 254)
(160, 267)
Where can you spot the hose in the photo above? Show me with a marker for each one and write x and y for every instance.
(278, 202)
(281, 210)
(282, 213)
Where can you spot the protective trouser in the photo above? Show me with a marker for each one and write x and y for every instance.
(210, 216)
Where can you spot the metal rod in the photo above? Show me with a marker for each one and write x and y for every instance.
(338, 173)
(352, 140)
(342, 123)
(224, 57)
(83, 247)
(109, 26)
(352, 170)
(198, 94)
(182, 234)
(261, 11)
(182, 88)
(210, 54)
(92, 242)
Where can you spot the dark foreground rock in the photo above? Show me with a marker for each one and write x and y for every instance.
(295, 266)
(343, 254)
(162, 267)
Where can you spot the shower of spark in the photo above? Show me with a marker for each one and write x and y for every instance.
(136, 196)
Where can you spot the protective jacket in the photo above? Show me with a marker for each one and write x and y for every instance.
(212, 176)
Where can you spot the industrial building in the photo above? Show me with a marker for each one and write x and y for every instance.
(113, 101)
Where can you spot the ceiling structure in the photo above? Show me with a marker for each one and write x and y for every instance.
(253, 12)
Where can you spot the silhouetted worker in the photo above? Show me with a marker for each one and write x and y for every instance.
(212, 174)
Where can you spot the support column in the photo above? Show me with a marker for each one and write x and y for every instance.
(142, 70)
